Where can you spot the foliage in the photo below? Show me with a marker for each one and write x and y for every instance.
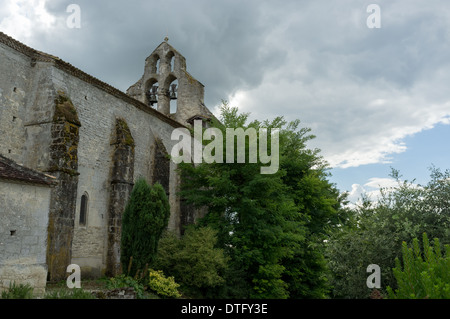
(75, 293)
(124, 281)
(163, 286)
(426, 276)
(375, 231)
(144, 219)
(271, 226)
(192, 259)
(20, 291)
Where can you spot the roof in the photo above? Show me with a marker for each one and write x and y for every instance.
(10, 170)
(36, 56)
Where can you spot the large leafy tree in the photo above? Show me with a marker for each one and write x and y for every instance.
(144, 219)
(270, 225)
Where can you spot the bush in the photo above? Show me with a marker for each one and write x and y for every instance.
(375, 231)
(427, 277)
(20, 291)
(76, 293)
(192, 259)
(123, 281)
(165, 287)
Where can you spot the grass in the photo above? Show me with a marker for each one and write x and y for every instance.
(20, 291)
(90, 289)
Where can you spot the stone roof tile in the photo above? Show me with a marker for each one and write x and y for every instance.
(10, 170)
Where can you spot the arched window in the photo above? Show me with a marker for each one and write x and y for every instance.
(170, 57)
(153, 63)
(83, 209)
(173, 88)
(152, 92)
(172, 63)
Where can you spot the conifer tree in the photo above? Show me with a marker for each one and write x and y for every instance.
(144, 219)
(422, 277)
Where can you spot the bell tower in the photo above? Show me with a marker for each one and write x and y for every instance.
(167, 87)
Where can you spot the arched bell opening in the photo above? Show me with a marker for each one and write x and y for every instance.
(151, 93)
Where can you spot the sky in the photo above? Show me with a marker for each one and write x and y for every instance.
(371, 83)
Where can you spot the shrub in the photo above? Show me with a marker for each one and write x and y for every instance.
(163, 286)
(76, 293)
(20, 291)
(193, 259)
(427, 277)
(123, 281)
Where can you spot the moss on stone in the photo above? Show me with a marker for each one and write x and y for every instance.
(65, 110)
(123, 133)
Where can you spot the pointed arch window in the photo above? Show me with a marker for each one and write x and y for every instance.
(84, 209)
(171, 59)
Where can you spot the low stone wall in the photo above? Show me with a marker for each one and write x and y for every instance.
(33, 274)
(119, 293)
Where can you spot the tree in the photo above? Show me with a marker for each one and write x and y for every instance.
(267, 223)
(144, 219)
(375, 232)
(426, 276)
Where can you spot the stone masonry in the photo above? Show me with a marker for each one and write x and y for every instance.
(23, 225)
(96, 141)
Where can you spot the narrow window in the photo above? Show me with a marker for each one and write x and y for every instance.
(157, 65)
(83, 209)
(172, 63)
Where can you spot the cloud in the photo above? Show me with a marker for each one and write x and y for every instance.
(361, 90)
(23, 18)
(371, 189)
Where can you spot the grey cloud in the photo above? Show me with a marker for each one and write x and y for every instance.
(313, 60)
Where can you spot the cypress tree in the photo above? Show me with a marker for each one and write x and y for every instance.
(144, 219)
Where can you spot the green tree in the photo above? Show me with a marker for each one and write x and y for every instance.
(193, 260)
(376, 230)
(144, 219)
(267, 223)
(426, 276)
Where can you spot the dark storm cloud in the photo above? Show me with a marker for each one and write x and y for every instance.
(361, 90)
(223, 42)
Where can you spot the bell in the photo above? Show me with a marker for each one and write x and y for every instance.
(151, 95)
(173, 95)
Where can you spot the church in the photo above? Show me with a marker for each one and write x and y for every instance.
(71, 147)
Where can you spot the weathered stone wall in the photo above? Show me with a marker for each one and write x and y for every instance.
(64, 166)
(97, 112)
(14, 76)
(37, 129)
(122, 172)
(23, 234)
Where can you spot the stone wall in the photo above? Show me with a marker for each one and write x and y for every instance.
(14, 75)
(98, 112)
(63, 165)
(122, 172)
(23, 234)
(74, 142)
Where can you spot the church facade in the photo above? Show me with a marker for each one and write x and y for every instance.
(94, 141)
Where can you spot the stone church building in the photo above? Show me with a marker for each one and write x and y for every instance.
(71, 147)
